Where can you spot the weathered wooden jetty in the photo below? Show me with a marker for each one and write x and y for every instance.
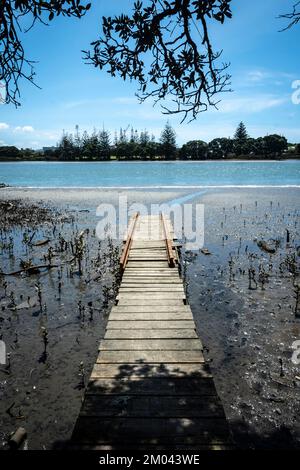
(151, 387)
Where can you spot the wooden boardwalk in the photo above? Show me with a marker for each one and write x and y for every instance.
(150, 387)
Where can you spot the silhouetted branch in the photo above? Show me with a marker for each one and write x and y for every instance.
(165, 47)
(294, 16)
(14, 65)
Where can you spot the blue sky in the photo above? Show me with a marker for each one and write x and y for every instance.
(264, 64)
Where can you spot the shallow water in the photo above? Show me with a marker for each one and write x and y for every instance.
(150, 174)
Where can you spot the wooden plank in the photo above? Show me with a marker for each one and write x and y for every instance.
(155, 302)
(134, 371)
(151, 270)
(149, 324)
(147, 308)
(161, 386)
(144, 257)
(147, 264)
(154, 281)
(166, 333)
(150, 345)
(137, 316)
(153, 275)
(146, 243)
(133, 406)
(168, 446)
(151, 279)
(158, 312)
(163, 297)
(156, 430)
(159, 278)
(152, 289)
(150, 356)
(150, 257)
(159, 287)
(155, 295)
(147, 250)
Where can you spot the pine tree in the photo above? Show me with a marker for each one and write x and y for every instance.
(241, 132)
(144, 138)
(168, 142)
(85, 150)
(66, 147)
(77, 144)
(104, 145)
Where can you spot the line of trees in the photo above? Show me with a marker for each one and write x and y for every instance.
(129, 144)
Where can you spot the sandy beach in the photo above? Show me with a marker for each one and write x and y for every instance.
(242, 298)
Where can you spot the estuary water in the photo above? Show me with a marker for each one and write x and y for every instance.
(151, 174)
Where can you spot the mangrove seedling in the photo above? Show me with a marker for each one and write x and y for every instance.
(39, 293)
(251, 276)
(81, 374)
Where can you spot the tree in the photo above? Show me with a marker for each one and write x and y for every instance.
(297, 149)
(9, 153)
(104, 150)
(241, 140)
(85, 146)
(194, 150)
(123, 148)
(274, 145)
(14, 65)
(220, 148)
(168, 142)
(241, 132)
(93, 146)
(77, 143)
(153, 148)
(144, 141)
(66, 150)
(252, 147)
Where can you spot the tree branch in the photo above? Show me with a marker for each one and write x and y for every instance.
(172, 66)
(294, 17)
(14, 65)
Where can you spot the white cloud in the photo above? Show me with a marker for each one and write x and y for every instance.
(3, 126)
(258, 76)
(24, 129)
(28, 136)
(125, 100)
(252, 104)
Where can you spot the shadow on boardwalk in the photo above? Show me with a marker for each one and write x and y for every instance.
(150, 406)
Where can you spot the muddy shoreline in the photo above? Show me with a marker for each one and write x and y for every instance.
(247, 332)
